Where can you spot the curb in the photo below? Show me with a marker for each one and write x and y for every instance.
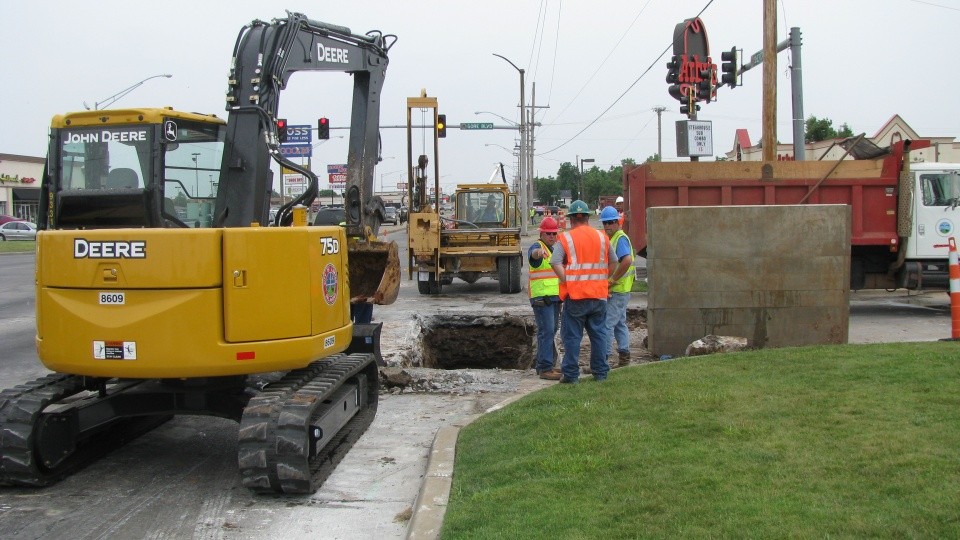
(431, 504)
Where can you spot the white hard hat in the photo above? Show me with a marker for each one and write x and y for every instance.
(619, 199)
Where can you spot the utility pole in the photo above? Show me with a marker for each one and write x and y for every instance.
(525, 213)
(659, 110)
(769, 117)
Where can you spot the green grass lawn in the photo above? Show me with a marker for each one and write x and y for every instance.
(18, 246)
(833, 441)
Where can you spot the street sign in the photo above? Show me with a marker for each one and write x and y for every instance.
(299, 134)
(294, 179)
(756, 58)
(477, 125)
(694, 138)
(296, 150)
(401, 185)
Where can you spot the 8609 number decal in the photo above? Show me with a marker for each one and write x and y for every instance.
(112, 298)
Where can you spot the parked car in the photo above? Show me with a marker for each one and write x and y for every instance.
(18, 230)
(391, 215)
(330, 215)
(404, 214)
(5, 218)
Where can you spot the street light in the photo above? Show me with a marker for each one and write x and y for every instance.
(110, 100)
(582, 161)
(386, 173)
(511, 122)
(512, 151)
(523, 144)
(196, 173)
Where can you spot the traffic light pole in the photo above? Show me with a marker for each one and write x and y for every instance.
(796, 87)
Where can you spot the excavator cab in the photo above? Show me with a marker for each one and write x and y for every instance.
(133, 168)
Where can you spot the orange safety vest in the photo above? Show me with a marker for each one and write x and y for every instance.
(586, 269)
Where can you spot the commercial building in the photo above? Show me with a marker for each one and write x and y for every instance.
(20, 185)
(942, 149)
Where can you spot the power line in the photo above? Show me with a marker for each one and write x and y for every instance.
(556, 43)
(634, 83)
(593, 75)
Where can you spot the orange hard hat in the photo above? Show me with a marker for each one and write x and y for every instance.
(548, 225)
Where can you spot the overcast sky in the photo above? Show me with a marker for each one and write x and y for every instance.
(863, 61)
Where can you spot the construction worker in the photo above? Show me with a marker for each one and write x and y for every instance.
(583, 261)
(544, 287)
(619, 205)
(621, 283)
(492, 212)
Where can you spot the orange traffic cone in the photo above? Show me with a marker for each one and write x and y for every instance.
(954, 291)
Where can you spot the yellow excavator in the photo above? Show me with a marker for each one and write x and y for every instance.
(161, 290)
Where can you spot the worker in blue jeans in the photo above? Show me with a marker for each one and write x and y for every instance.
(544, 287)
(621, 284)
(582, 260)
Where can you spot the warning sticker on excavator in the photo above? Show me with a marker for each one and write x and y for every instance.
(115, 350)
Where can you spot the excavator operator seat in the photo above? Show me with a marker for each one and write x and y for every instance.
(122, 177)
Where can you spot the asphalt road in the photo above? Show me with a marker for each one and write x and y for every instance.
(181, 480)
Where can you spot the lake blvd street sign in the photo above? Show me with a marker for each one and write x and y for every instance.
(477, 125)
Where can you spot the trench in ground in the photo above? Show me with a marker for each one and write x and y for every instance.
(478, 341)
(490, 341)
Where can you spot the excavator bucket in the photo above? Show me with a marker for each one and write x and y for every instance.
(374, 268)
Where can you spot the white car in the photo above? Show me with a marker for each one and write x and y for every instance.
(390, 215)
(18, 230)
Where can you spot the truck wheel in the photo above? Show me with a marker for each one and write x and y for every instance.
(503, 275)
(515, 284)
(430, 286)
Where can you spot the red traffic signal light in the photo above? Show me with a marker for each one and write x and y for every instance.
(323, 128)
(282, 129)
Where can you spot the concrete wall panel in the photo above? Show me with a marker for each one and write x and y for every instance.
(776, 275)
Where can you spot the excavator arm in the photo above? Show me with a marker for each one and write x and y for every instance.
(265, 56)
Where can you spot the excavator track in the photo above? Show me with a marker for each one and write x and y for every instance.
(293, 434)
(35, 452)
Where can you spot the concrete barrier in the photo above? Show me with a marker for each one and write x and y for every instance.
(776, 275)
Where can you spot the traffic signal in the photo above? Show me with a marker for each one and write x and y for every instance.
(730, 68)
(688, 105)
(685, 109)
(282, 129)
(673, 70)
(441, 125)
(323, 128)
(705, 86)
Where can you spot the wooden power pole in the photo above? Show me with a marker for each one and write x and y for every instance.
(769, 129)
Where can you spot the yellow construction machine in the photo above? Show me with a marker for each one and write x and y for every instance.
(160, 289)
(482, 239)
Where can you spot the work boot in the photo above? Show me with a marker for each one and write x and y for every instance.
(549, 375)
(624, 358)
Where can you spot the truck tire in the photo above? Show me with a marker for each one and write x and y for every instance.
(430, 286)
(515, 284)
(503, 274)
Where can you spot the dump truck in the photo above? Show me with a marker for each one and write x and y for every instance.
(482, 239)
(902, 212)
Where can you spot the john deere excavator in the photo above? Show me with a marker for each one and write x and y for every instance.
(161, 291)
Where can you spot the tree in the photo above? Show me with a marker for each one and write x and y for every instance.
(548, 190)
(821, 129)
